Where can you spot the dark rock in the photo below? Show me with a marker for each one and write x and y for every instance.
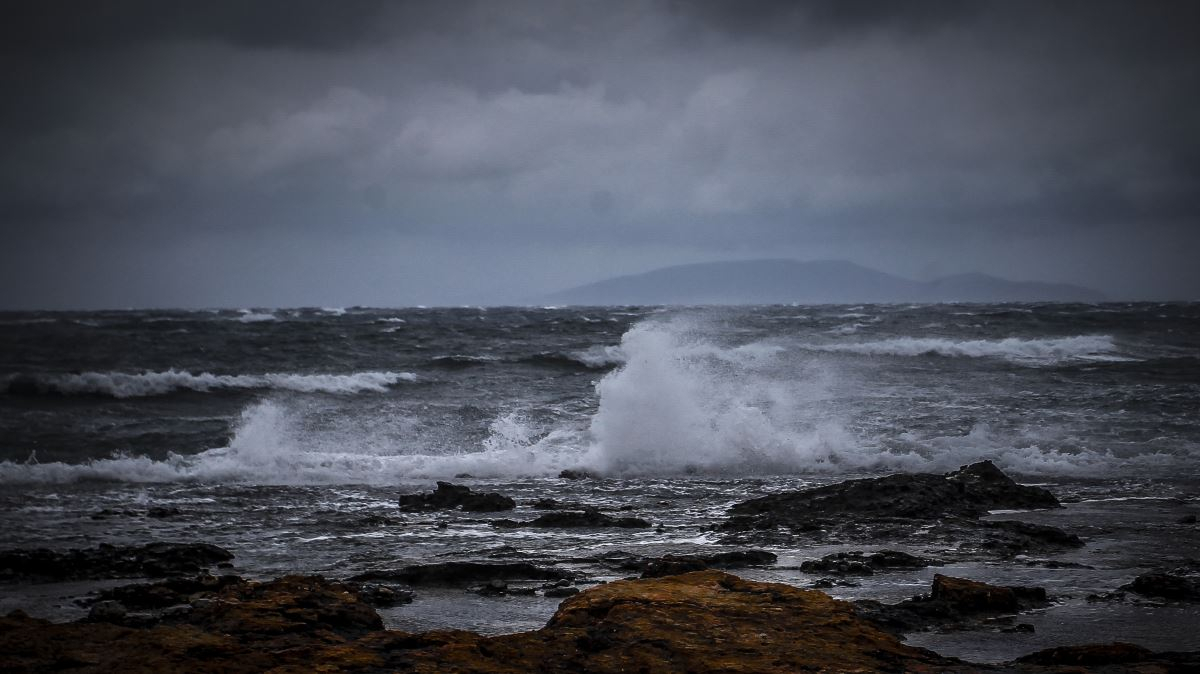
(155, 560)
(668, 565)
(943, 510)
(381, 595)
(161, 512)
(1011, 537)
(970, 491)
(587, 518)
(107, 612)
(556, 592)
(493, 588)
(450, 496)
(858, 563)
(1169, 585)
(143, 596)
(955, 603)
(1187, 519)
(571, 474)
(462, 573)
(1089, 655)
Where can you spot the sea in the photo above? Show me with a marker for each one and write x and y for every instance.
(287, 435)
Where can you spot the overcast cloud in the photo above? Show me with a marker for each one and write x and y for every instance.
(320, 153)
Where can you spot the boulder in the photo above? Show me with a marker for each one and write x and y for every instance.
(451, 496)
(859, 563)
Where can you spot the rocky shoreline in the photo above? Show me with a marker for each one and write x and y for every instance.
(677, 612)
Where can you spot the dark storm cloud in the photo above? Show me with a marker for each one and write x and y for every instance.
(557, 136)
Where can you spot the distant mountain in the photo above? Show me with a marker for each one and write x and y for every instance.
(816, 282)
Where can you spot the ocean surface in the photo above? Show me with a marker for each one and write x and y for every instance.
(286, 435)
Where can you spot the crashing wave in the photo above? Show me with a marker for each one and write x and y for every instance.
(145, 384)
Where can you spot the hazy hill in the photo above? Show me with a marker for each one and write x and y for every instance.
(817, 282)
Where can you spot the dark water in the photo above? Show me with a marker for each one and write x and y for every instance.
(285, 435)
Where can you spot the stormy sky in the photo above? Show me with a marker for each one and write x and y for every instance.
(303, 152)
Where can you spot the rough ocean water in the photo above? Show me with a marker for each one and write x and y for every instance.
(287, 435)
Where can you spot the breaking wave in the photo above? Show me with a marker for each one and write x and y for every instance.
(1014, 349)
(145, 384)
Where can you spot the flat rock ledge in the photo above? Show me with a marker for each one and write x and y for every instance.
(705, 621)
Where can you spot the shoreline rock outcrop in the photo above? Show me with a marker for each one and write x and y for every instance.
(705, 621)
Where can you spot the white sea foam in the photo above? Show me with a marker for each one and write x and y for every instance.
(136, 385)
(1028, 351)
(250, 316)
(683, 404)
(599, 357)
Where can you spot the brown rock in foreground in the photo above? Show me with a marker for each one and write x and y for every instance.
(705, 621)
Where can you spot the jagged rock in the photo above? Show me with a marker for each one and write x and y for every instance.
(155, 560)
(1169, 585)
(859, 563)
(970, 491)
(943, 510)
(450, 496)
(698, 622)
(589, 517)
(142, 596)
(461, 573)
(571, 474)
(675, 564)
(953, 602)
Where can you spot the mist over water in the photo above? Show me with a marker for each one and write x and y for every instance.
(1050, 390)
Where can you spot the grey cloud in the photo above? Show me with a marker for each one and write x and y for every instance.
(690, 129)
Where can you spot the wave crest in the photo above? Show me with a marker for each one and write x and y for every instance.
(1014, 349)
(145, 384)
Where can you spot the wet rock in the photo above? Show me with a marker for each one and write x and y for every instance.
(970, 491)
(464, 573)
(155, 560)
(675, 564)
(699, 622)
(1174, 585)
(143, 596)
(859, 563)
(107, 612)
(953, 603)
(942, 510)
(451, 496)
(587, 518)
(576, 474)
(381, 595)
(163, 512)
(1011, 537)
(1094, 654)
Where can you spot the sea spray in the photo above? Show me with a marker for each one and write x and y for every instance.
(683, 403)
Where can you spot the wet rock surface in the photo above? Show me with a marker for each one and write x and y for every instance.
(941, 509)
(464, 573)
(154, 560)
(589, 517)
(449, 496)
(697, 622)
(1179, 584)
(859, 563)
(953, 604)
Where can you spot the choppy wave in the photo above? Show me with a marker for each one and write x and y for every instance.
(1015, 349)
(594, 358)
(145, 384)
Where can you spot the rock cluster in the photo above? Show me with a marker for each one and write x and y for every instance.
(154, 560)
(590, 517)
(451, 496)
(859, 563)
(705, 621)
(954, 603)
